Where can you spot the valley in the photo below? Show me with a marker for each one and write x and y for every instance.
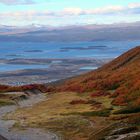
(69, 69)
(102, 104)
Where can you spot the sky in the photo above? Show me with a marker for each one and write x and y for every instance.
(68, 12)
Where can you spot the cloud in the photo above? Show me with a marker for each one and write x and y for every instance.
(97, 11)
(132, 8)
(134, 5)
(71, 13)
(16, 2)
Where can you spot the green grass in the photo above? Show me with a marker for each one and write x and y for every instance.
(4, 102)
(100, 113)
(128, 110)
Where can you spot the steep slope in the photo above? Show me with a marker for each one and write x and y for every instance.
(84, 109)
(121, 76)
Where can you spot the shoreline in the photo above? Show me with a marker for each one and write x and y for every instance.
(56, 71)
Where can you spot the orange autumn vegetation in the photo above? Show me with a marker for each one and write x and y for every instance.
(42, 88)
(100, 93)
(122, 76)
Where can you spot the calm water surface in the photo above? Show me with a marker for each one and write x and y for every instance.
(24, 50)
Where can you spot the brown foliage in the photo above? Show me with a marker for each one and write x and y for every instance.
(100, 93)
(74, 102)
(121, 75)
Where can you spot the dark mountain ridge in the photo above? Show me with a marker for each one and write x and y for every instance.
(105, 32)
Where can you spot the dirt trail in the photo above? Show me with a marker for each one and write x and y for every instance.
(29, 133)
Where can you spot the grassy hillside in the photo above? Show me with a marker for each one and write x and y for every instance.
(98, 105)
(121, 78)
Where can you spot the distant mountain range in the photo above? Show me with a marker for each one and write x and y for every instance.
(43, 33)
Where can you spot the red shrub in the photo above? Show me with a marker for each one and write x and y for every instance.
(100, 93)
(74, 102)
(120, 101)
(3, 88)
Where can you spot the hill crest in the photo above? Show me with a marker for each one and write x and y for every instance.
(121, 76)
